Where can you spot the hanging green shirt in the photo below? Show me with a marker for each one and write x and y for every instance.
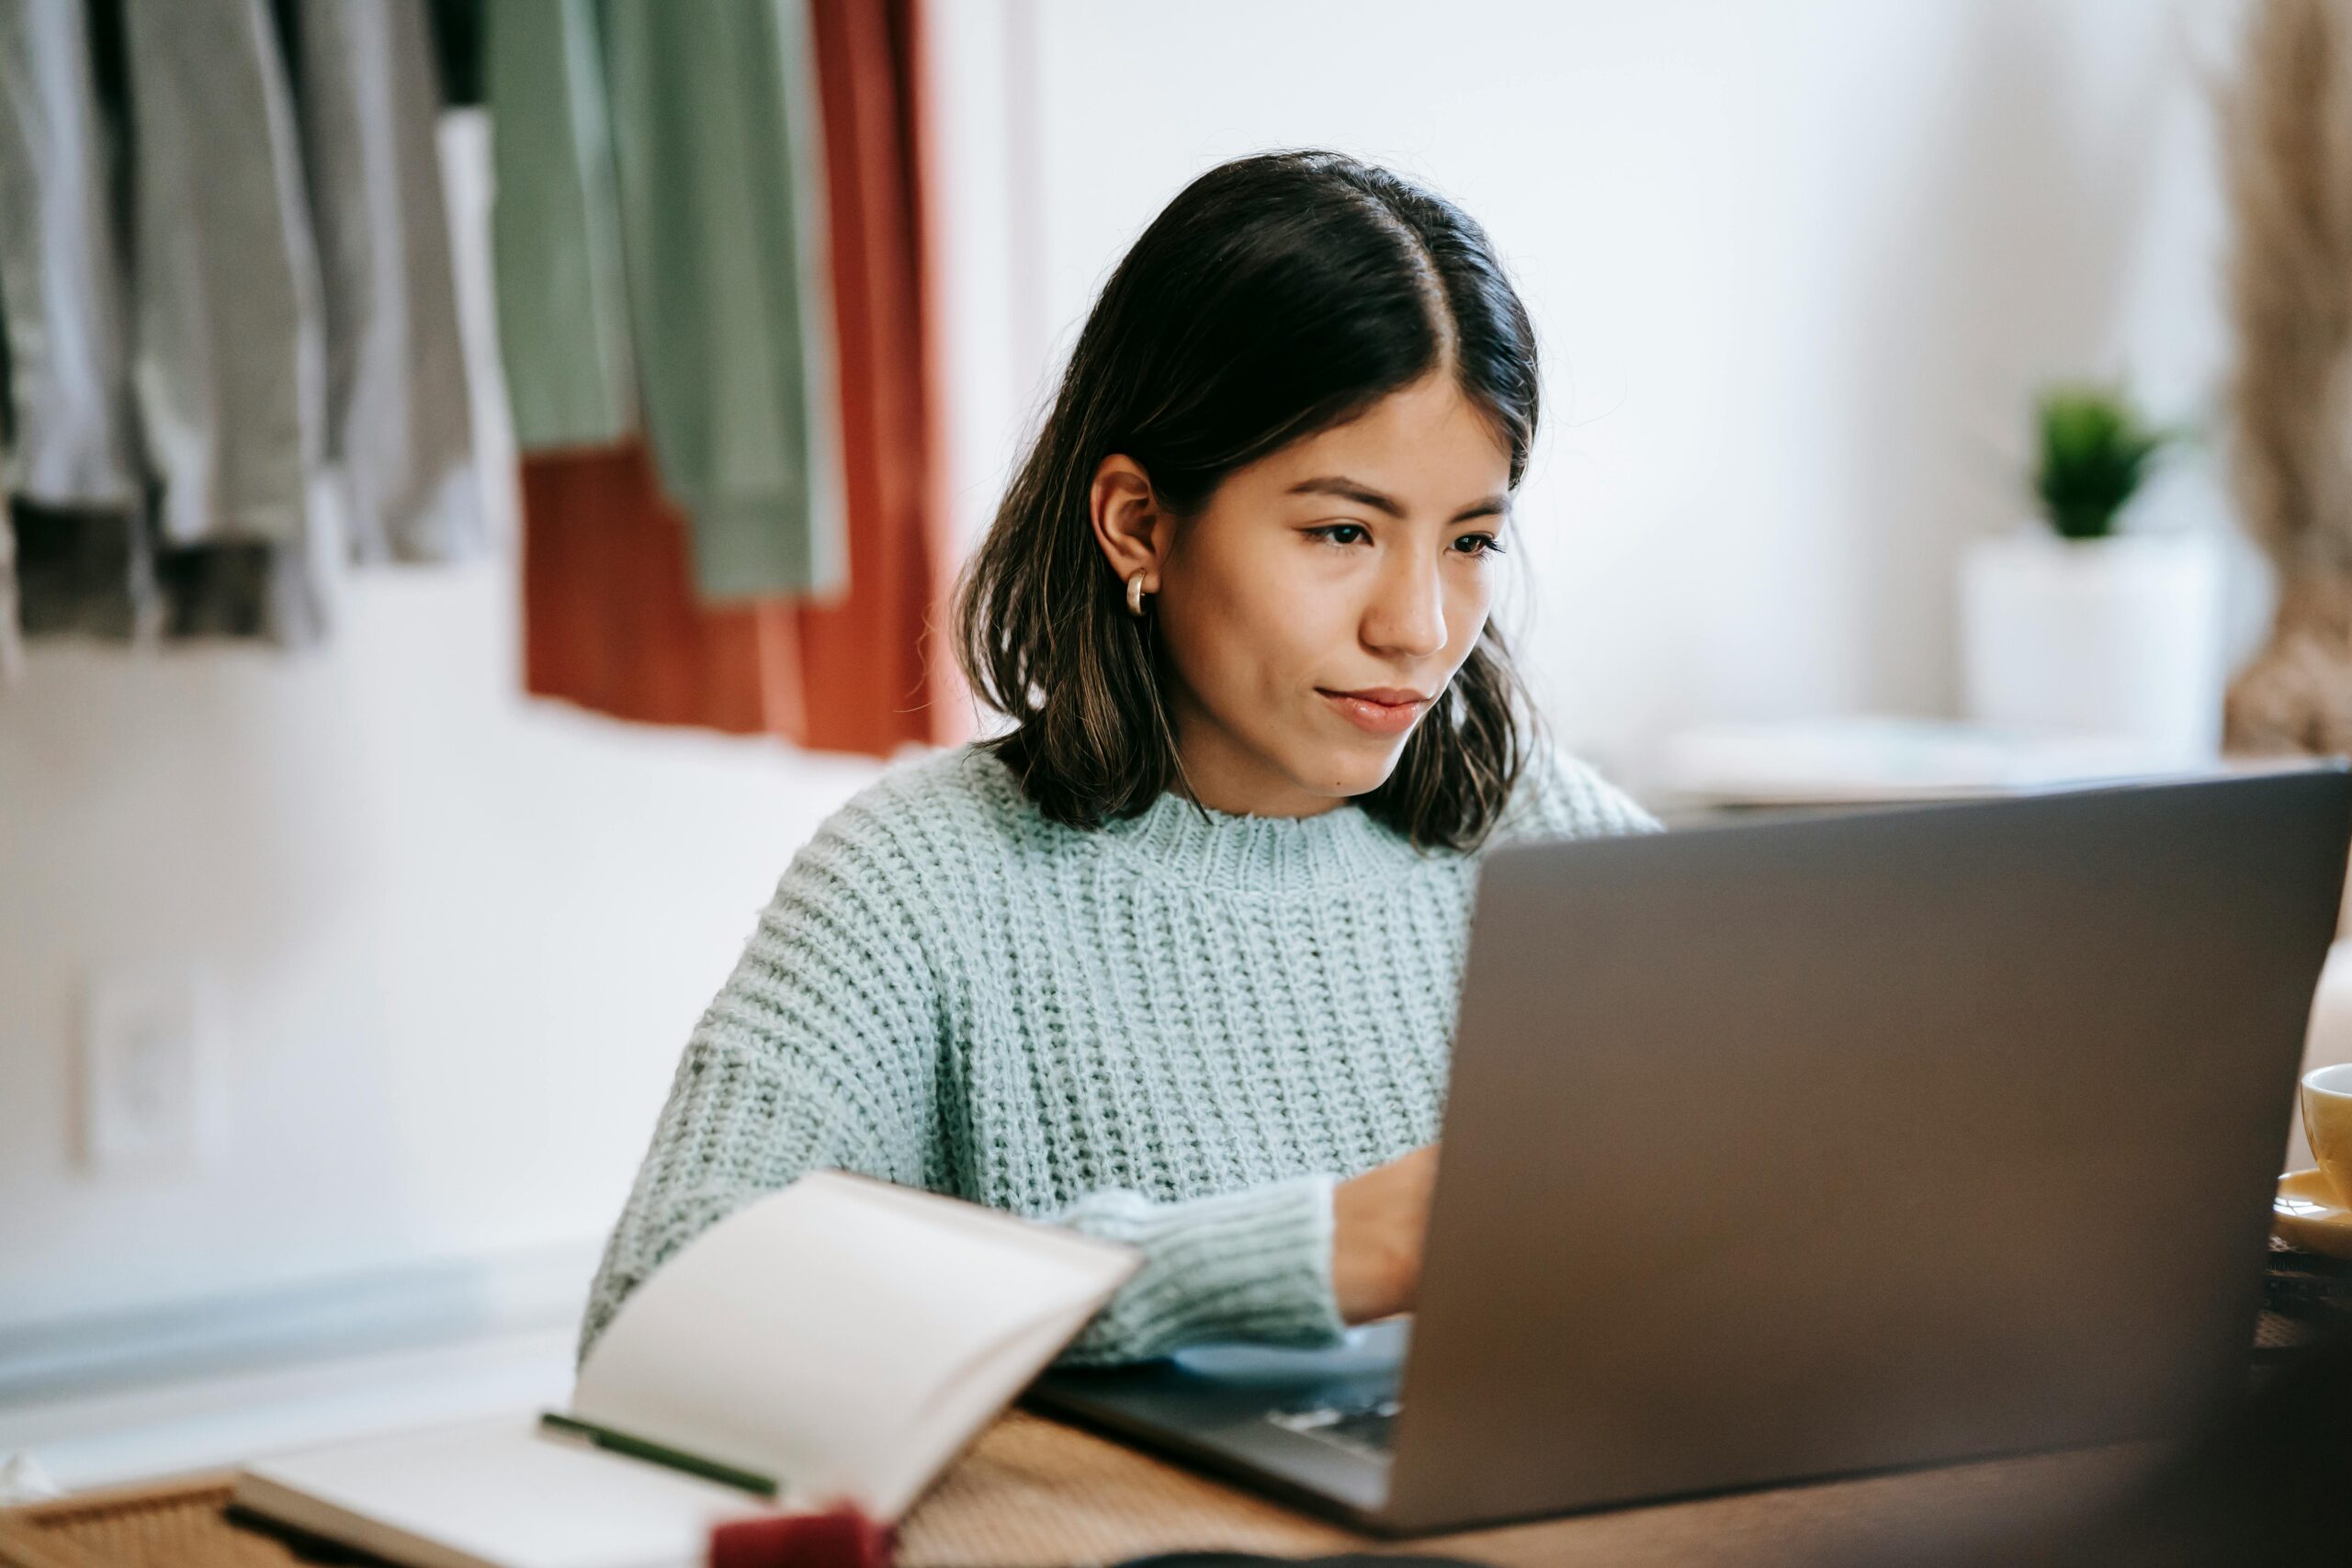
(660, 231)
(563, 327)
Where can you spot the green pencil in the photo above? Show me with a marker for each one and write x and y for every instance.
(638, 1447)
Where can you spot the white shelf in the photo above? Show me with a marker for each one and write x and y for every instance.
(145, 1432)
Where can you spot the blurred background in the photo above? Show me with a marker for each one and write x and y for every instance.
(487, 478)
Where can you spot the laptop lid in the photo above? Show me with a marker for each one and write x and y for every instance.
(1799, 1149)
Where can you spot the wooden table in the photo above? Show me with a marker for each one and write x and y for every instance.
(1033, 1493)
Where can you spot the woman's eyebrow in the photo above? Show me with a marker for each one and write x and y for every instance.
(1364, 495)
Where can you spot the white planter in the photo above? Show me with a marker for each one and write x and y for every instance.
(2118, 637)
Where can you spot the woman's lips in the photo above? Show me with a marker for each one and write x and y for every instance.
(1378, 718)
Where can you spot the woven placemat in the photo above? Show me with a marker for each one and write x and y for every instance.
(1034, 1491)
(151, 1527)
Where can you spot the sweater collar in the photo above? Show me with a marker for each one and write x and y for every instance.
(1202, 846)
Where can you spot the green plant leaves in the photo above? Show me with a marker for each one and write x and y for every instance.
(2095, 451)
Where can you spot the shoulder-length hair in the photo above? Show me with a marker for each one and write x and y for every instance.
(1277, 297)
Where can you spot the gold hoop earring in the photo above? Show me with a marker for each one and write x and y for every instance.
(1135, 594)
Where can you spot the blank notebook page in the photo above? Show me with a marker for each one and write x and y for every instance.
(498, 1492)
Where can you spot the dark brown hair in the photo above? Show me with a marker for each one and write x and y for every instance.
(1277, 297)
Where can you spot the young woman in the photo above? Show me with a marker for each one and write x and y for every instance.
(1173, 959)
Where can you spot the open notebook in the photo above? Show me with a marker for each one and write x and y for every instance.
(842, 1338)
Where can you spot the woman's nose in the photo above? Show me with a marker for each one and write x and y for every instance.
(1408, 616)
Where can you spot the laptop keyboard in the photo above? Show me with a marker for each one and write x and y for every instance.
(1365, 1426)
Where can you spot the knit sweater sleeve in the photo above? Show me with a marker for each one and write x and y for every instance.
(819, 1051)
(1253, 1264)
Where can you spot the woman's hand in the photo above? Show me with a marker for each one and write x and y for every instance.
(1377, 1223)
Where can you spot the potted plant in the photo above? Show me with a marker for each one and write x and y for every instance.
(2070, 625)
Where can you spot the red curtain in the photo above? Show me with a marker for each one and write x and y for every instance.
(611, 620)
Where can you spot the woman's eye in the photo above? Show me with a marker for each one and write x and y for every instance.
(1331, 532)
(1487, 545)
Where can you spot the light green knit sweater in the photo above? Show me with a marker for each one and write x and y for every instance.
(1171, 1031)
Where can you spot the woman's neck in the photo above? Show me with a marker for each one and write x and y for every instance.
(1215, 769)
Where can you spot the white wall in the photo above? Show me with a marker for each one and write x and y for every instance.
(1796, 265)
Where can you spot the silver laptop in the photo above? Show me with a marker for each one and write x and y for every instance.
(1799, 1149)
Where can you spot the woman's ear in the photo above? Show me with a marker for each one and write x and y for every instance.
(1129, 523)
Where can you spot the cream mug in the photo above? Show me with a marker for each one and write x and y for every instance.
(2327, 1125)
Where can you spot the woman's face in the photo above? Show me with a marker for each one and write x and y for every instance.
(1358, 561)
